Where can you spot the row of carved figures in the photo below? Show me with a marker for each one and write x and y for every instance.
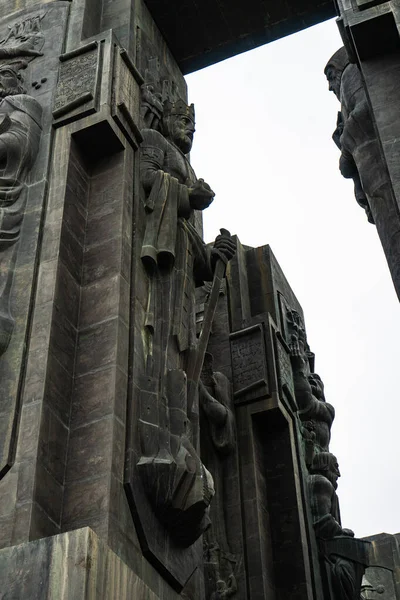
(343, 557)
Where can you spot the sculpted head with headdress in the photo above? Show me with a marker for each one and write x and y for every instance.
(334, 70)
(178, 124)
(11, 82)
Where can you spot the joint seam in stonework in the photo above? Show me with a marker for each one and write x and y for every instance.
(110, 365)
(107, 320)
(90, 247)
(69, 482)
(70, 231)
(57, 525)
(47, 405)
(108, 417)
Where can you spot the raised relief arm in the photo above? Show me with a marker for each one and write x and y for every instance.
(302, 386)
(215, 411)
(152, 153)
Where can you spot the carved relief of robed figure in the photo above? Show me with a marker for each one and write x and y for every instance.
(316, 415)
(218, 441)
(176, 260)
(20, 132)
(355, 135)
(345, 557)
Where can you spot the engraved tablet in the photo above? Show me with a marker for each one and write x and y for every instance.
(78, 82)
(249, 365)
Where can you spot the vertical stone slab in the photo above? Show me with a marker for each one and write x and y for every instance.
(273, 501)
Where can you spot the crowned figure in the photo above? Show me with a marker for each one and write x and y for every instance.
(176, 261)
(20, 133)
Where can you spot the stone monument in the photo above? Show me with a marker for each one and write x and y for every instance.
(163, 434)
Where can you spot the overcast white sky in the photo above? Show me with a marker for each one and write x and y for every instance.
(264, 121)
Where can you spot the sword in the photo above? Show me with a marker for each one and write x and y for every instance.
(198, 358)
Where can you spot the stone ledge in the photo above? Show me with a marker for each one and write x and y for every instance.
(71, 566)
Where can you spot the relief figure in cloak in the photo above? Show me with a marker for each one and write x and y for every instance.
(176, 260)
(345, 557)
(316, 415)
(20, 133)
(218, 441)
(361, 158)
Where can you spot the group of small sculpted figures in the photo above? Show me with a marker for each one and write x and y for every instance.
(20, 133)
(316, 417)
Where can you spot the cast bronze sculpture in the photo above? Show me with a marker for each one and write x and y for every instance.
(176, 259)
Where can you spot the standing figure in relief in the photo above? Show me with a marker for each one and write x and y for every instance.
(20, 133)
(344, 556)
(218, 442)
(315, 413)
(355, 135)
(176, 261)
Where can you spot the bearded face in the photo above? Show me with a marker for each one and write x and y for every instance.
(334, 77)
(317, 386)
(180, 129)
(333, 472)
(10, 82)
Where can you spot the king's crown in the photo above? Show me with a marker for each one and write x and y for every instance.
(178, 108)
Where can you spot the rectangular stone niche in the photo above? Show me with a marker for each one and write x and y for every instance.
(71, 566)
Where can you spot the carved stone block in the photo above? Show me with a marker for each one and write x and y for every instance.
(249, 365)
(78, 84)
(284, 367)
(86, 570)
(363, 4)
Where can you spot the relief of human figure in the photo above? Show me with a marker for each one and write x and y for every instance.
(218, 441)
(345, 557)
(176, 260)
(361, 158)
(315, 413)
(20, 133)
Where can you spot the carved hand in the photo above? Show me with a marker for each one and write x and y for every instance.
(24, 49)
(224, 247)
(348, 532)
(347, 166)
(297, 354)
(200, 195)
